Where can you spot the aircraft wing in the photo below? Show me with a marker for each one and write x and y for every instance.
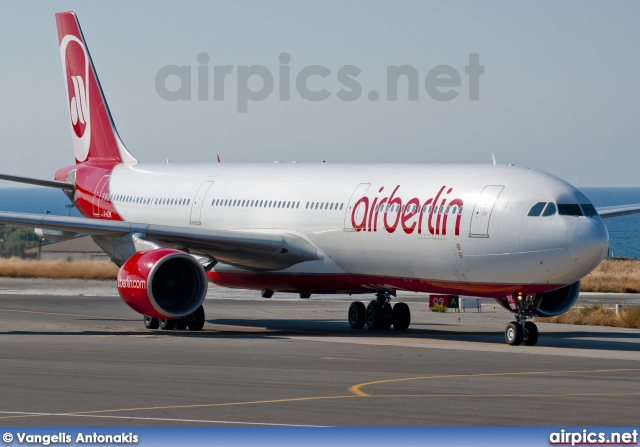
(250, 250)
(609, 212)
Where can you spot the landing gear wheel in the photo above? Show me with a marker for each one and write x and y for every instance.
(530, 336)
(401, 317)
(356, 315)
(181, 324)
(150, 322)
(167, 324)
(387, 316)
(513, 334)
(195, 321)
(374, 315)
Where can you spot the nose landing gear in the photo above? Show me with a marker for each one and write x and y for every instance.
(522, 331)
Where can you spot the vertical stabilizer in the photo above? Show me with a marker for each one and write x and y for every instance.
(95, 138)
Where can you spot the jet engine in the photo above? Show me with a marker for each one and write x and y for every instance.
(550, 304)
(162, 283)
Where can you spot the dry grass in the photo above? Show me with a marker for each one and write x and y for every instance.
(613, 276)
(59, 269)
(628, 317)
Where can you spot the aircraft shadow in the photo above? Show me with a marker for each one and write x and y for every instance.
(283, 328)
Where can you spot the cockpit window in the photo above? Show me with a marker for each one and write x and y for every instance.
(550, 210)
(569, 209)
(537, 209)
(589, 210)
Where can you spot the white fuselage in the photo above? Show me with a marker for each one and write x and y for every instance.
(344, 211)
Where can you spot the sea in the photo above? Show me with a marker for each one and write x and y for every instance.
(624, 232)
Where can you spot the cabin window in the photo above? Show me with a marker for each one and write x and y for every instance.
(589, 210)
(550, 210)
(536, 209)
(569, 209)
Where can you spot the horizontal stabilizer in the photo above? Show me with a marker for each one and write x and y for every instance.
(39, 182)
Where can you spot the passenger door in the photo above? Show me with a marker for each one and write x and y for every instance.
(357, 195)
(482, 211)
(198, 201)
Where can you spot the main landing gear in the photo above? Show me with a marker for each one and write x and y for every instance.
(379, 314)
(522, 331)
(194, 322)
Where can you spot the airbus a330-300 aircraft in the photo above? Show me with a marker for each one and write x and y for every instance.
(520, 236)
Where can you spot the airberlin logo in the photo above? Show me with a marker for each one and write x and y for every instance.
(128, 283)
(429, 216)
(75, 62)
(78, 106)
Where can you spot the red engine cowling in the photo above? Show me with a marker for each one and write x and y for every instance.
(550, 304)
(162, 283)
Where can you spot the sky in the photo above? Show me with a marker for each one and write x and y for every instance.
(559, 92)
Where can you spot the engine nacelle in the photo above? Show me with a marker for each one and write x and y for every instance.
(553, 303)
(162, 283)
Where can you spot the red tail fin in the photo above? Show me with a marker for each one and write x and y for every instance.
(95, 138)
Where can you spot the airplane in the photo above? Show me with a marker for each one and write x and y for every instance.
(520, 236)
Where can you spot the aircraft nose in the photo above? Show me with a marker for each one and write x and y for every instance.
(587, 241)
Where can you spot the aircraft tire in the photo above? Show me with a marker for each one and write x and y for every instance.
(150, 322)
(530, 336)
(401, 317)
(356, 315)
(181, 324)
(195, 321)
(374, 315)
(387, 316)
(167, 324)
(513, 334)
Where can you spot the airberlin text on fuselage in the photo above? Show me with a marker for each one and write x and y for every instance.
(411, 215)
